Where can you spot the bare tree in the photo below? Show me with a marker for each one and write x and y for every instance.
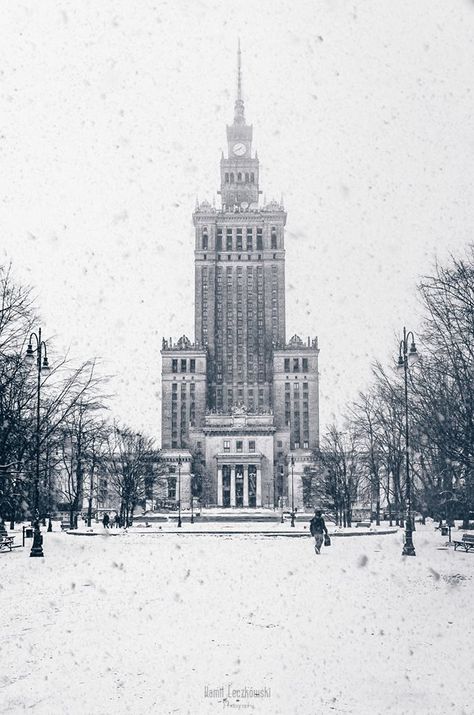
(448, 340)
(339, 456)
(130, 458)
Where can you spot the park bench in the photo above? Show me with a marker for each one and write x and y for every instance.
(467, 543)
(6, 543)
(363, 524)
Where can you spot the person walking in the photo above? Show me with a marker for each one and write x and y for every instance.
(105, 520)
(318, 528)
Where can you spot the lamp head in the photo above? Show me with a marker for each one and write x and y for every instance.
(413, 354)
(45, 365)
(30, 355)
(401, 361)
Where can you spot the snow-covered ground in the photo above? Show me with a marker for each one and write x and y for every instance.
(147, 622)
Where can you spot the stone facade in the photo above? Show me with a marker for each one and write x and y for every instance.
(240, 400)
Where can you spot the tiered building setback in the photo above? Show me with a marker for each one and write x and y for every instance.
(240, 405)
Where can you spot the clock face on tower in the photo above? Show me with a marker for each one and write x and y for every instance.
(239, 149)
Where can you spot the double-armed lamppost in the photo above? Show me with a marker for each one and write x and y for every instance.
(405, 356)
(179, 491)
(42, 366)
(292, 492)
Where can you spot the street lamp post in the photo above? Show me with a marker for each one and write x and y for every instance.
(192, 501)
(179, 491)
(404, 356)
(13, 504)
(292, 492)
(48, 474)
(42, 366)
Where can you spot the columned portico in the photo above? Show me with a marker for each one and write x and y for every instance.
(239, 482)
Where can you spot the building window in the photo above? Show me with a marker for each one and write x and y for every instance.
(192, 365)
(280, 444)
(287, 364)
(274, 238)
(296, 365)
(252, 445)
(305, 364)
(226, 445)
(229, 240)
(183, 365)
(239, 446)
(174, 366)
(305, 445)
(219, 239)
(239, 239)
(249, 239)
(171, 487)
(259, 240)
(205, 239)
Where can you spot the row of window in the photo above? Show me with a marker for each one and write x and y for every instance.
(183, 365)
(296, 386)
(239, 257)
(236, 239)
(296, 365)
(240, 176)
(239, 445)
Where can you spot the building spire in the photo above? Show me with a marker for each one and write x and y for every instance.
(239, 71)
(239, 117)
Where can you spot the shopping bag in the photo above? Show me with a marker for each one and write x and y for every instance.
(327, 540)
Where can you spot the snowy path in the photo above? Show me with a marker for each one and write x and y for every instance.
(144, 624)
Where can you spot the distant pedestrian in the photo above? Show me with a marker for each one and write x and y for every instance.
(117, 521)
(105, 521)
(318, 528)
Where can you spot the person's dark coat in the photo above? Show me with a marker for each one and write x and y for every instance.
(317, 525)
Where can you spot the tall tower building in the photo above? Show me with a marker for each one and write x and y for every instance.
(240, 400)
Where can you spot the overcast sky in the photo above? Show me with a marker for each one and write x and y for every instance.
(113, 118)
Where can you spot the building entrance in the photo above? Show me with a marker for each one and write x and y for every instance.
(239, 485)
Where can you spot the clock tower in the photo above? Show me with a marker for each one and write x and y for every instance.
(239, 171)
